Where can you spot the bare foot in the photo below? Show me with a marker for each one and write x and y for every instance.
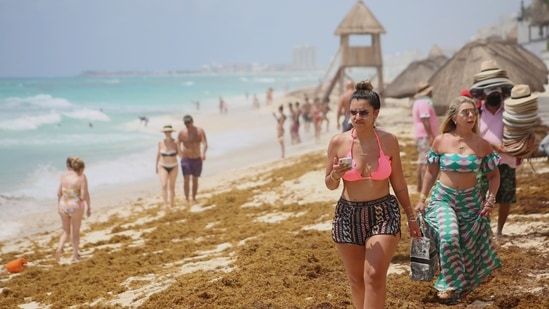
(58, 254)
(77, 258)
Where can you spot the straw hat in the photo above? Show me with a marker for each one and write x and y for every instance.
(523, 147)
(521, 96)
(423, 89)
(167, 128)
(490, 75)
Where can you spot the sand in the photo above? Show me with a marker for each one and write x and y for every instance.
(259, 237)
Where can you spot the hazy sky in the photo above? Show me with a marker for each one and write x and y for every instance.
(66, 37)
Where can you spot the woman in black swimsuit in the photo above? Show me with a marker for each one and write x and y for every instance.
(167, 166)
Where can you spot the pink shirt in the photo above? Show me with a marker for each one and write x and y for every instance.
(423, 108)
(491, 129)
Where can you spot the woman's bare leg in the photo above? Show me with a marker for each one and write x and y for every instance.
(379, 252)
(76, 222)
(172, 180)
(366, 268)
(164, 184)
(66, 224)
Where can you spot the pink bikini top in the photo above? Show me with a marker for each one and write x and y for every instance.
(383, 164)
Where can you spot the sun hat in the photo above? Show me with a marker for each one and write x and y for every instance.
(521, 96)
(523, 147)
(423, 89)
(167, 128)
(490, 75)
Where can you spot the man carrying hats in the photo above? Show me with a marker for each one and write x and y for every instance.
(193, 144)
(426, 127)
(492, 86)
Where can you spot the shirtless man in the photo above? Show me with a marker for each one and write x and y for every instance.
(343, 107)
(189, 140)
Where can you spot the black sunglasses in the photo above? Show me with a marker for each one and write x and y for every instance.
(363, 112)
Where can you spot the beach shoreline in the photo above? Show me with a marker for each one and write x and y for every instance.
(258, 152)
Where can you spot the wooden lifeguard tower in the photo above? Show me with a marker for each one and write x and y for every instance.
(359, 21)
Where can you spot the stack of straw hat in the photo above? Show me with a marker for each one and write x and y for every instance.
(519, 117)
(490, 75)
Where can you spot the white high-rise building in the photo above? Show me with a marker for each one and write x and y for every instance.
(304, 57)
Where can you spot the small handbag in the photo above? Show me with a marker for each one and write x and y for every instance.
(423, 254)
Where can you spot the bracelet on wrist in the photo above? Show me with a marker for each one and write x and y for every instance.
(422, 196)
(333, 178)
(412, 219)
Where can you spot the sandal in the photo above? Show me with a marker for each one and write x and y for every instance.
(449, 297)
(445, 295)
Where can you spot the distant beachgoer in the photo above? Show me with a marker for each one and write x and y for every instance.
(90, 124)
(73, 201)
(255, 103)
(307, 115)
(269, 96)
(167, 165)
(318, 115)
(280, 128)
(193, 145)
(325, 107)
(343, 107)
(144, 120)
(223, 109)
(197, 103)
(366, 227)
(295, 115)
(426, 127)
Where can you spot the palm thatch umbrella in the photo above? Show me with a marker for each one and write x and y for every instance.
(522, 66)
(404, 85)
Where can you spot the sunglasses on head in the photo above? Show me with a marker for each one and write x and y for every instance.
(362, 112)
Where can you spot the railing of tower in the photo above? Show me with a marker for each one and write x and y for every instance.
(330, 72)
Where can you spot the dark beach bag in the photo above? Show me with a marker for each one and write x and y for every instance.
(423, 254)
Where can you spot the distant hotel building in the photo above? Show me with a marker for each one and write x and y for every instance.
(304, 58)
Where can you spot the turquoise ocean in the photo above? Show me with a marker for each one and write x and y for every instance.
(44, 120)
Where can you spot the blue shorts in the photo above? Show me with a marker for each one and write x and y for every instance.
(191, 166)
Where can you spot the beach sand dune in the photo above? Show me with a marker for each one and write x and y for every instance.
(260, 238)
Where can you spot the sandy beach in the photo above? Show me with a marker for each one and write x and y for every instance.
(259, 237)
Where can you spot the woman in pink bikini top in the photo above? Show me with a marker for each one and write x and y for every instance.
(382, 172)
(366, 225)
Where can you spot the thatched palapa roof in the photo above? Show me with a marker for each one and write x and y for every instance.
(359, 20)
(404, 85)
(522, 66)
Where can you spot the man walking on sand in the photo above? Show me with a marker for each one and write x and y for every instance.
(344, 106)
(193, 144)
